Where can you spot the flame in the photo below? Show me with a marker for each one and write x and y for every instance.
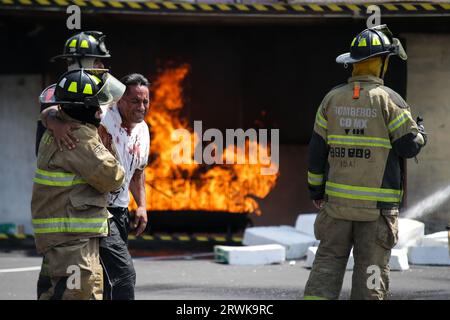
(192, 186)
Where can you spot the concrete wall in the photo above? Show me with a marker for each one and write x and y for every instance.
(428, 93)
(290, 196)
(19, 110)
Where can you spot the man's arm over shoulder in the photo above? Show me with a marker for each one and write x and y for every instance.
(403, 130)
(94, 162)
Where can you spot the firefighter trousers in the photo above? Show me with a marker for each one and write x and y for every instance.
(372, 243)
(71, 271)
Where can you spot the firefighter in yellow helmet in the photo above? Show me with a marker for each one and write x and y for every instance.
(85, 49)
(70, 190)
(363, 132)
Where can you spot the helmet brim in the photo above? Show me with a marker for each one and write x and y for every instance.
(345, 58)
(71, 56)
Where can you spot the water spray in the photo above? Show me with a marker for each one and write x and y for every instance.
(429, 204)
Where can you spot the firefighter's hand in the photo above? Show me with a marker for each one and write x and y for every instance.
(319, 203)
(139, 220)
(62, 132)
(422, 131)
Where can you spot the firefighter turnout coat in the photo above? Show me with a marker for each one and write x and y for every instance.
(71, 187)
(363, 131)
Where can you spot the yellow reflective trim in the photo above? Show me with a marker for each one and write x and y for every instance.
(428, 6)
(333, 136)
(170, 5)
(74, 220)
(116, 4)
(58, 183)
(313, 298)
(55, 174)
(376, 41)
(98, 4)
(445, 6)
(362, 42)
(134, 5)
(84, 44)
(360, 197)
(359, 141)
(188, 6)
(315, 7)
(398, 121)
(73, 43)
(73, 87)
(71, 230)
(408, 7)
(152, 5)
(315, 179)
(334, 7)
(242, 7)
(365, 189)
(320, 120)
(353, 42)
(298, 7)
(223, 7)
(314, 175)
(87, 88)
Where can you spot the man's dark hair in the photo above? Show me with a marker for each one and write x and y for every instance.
(134, 79)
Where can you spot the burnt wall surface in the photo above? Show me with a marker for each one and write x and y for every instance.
(242, 75)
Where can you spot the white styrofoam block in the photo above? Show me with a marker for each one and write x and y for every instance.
(251, 255)
(296, 243)
(305, 223)
(310, 256)
(398, 261)
(438, 255)
(410, 233)
(438, 239)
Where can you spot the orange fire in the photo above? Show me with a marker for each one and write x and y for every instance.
(192, 186)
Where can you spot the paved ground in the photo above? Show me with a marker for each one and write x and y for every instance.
(199, 277)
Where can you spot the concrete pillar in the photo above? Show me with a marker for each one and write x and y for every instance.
(428, 93)
(19, 110)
